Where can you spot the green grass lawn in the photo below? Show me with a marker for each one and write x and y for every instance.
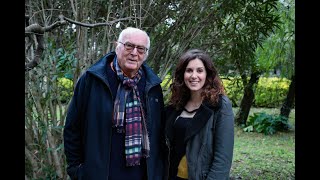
(259, 156)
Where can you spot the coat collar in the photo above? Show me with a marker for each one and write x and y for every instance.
(99, 70)
(198, 122)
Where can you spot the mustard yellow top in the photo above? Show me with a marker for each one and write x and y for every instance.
(183, 168)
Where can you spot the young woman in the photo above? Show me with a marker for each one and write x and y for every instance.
(199, 121)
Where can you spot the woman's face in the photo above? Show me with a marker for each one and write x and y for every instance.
(195, 75)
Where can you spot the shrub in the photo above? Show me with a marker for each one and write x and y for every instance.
(270, 91)
(66, 88)
(266, 123)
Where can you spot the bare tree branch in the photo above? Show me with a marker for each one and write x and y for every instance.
(39, 31)
(97, 24)
(38, 53)
(32, 160)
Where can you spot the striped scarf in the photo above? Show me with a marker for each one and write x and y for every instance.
(129, 107)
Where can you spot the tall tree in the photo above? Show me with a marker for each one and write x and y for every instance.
(289, 55)
(245, 29)
(277, 53)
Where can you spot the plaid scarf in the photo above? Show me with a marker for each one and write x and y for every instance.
(129, 107)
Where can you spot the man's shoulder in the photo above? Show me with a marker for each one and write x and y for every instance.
(102, 61)
(151, 76)
(147, 69)
(99, 67)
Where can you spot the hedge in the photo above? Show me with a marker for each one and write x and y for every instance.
(270, 92)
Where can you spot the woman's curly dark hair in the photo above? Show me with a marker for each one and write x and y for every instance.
(212, 88)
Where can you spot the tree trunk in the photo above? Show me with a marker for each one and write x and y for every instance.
(247, 100)
(289, 101)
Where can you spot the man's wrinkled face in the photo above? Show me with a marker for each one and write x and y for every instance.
(131, 52)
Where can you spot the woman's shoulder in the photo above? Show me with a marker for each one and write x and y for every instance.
(223, 101)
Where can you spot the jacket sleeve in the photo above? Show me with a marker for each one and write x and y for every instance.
(223, 142)
(72, 130)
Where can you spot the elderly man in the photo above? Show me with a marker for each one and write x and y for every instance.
(114, 123)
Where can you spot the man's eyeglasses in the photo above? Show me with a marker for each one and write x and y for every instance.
(130, 47)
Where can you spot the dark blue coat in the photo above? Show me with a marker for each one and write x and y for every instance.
(88, 128)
